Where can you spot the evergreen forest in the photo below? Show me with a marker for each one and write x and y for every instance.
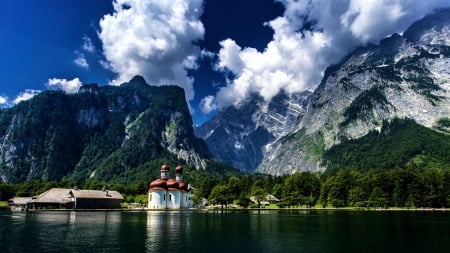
(402, 165)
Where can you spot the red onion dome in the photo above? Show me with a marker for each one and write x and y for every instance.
(158, 184)
(179, 169)
(172, 184)
(182, 186)
(165, 167)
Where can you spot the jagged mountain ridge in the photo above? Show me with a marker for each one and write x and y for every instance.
(237, 136)
(404, 76)
(105, 132)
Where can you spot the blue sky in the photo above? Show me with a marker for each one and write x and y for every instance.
(220, 52)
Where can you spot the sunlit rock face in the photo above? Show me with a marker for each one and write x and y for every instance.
(238, 135)
(404, 76)
(104, 133)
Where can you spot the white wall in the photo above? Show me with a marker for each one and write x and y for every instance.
(156, 199)
(186, 200)
(173, 201)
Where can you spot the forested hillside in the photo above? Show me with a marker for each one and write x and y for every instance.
(118, 133)
(401, 143)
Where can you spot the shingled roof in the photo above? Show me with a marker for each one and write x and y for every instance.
(19, 200)
(94, 194)
(60, 195)
(54, 195)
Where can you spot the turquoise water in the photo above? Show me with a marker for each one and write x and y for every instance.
(238, 231)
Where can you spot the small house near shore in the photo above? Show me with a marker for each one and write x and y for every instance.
(18, 203)
(55, 198)
(60, 198)
(92, 199)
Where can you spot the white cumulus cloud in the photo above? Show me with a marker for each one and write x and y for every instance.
(155, 39)
(3, 100)
(309, 37)
(81, 61)
(88, 45)
(27, 94)
(69, 86)
(207, 104)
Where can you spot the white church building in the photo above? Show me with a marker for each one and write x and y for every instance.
(169, 193)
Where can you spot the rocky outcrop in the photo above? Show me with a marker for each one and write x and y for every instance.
(239, 135)
(402, 77)
(103, 132)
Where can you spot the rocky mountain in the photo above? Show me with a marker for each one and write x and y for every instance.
(404, 76)
(107, 132)
(238, 135)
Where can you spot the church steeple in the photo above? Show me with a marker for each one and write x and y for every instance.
(165, 171)
(179, 173)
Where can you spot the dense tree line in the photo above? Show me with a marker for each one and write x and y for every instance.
(132, 191)
(399, 187)
(402, 165)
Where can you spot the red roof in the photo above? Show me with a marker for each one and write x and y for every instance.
(182, 186)
(158, 184)
(165, 167)
(179, 169)
(172, 184)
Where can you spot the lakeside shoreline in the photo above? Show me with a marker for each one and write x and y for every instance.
(334, 209)
(215, 209)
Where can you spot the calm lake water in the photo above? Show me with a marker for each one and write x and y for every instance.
(237, 231)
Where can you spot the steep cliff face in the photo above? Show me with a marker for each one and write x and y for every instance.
(403, 77)
(238, 135)
(100, 132)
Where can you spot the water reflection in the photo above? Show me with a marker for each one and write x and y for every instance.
(167, 231)
(76, 231)
(229, 231)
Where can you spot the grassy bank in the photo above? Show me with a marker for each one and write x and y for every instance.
(3, 205)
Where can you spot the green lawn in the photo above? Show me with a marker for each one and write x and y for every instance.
(3, 204)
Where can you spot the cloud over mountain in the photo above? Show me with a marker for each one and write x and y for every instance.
(309, 37)
(69, 86)
(25, 95)
(154, 39)
(3, 100)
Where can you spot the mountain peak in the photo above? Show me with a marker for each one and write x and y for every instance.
(403, 77)
(430, 29)
(239, 134)
(137, 81)
(89, 88)
(82, 136)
